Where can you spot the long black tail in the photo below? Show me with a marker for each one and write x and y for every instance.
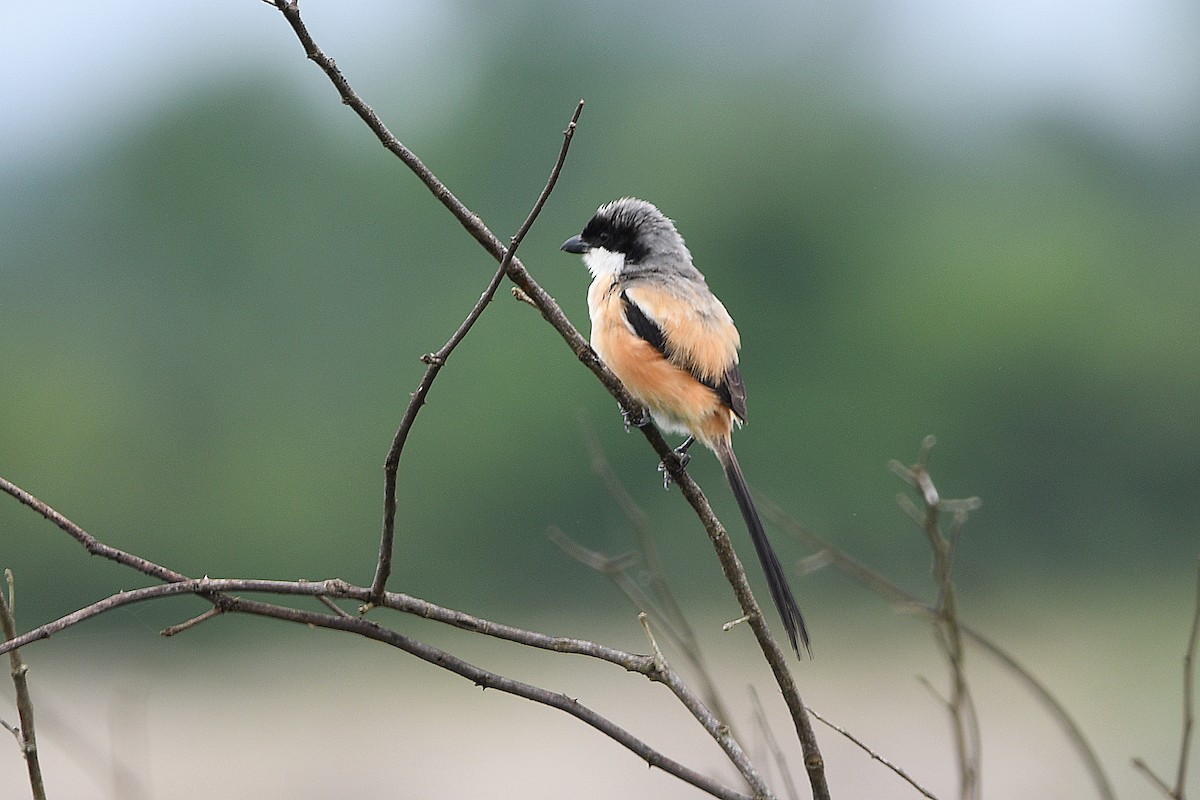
(777, 581)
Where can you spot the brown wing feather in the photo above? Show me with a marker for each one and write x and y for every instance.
(703, 344)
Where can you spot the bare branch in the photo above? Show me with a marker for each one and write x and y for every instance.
(672, 613)
(665, 607)
(490, 680)
(616, 569)
(645, 665)
(332, 606)
(26, 737)
(1189, 693)
(735, 575)
(187, 625)
(436, 361)
(875, 755)
(904, 600)
(716, 729)
(1189, 710)
(947, 628)
(333, 588)
(1152, 776)
(653, 667)
(760, 715)
(90, 543)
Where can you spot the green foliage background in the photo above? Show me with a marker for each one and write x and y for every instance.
(211, 324)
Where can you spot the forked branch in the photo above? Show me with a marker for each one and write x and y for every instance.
(1177, 791)
(435, 362)
(960, 706)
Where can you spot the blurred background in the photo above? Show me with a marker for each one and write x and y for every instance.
(977, 221)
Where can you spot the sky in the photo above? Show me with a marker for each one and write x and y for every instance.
(81, 71)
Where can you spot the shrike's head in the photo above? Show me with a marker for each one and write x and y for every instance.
(630, 236)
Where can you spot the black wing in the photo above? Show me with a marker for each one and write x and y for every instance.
(643, 326)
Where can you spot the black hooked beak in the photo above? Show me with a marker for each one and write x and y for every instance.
(576, 245)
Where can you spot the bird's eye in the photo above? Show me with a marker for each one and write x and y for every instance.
(604, 237)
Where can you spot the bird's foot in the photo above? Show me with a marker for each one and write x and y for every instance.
(682, 456)
(638, 418)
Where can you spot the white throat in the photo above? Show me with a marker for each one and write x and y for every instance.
(603, 262)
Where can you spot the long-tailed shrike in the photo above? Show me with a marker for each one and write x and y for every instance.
(659, 328)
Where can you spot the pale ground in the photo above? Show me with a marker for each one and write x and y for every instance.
(313, 714)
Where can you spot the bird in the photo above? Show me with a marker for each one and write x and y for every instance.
(659, 328)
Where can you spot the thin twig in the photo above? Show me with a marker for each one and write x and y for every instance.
(666, 607)
(93, 545)
(715, 728)
(1141, 766)
(906, 601)
(735, 575)
(90, 543)
(947, 629)
(875, 755)
(1189, 692)
(187, 625)
(552, 313)
(332, 606)
(655, 569)
(490, 680)
(616, 569)
(785, 772)
(672, 614)
(436, 361)
(26, 736)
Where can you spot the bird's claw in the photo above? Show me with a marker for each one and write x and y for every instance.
(638, 418)
(682, 456)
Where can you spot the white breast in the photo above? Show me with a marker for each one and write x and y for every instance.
(603, 262)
